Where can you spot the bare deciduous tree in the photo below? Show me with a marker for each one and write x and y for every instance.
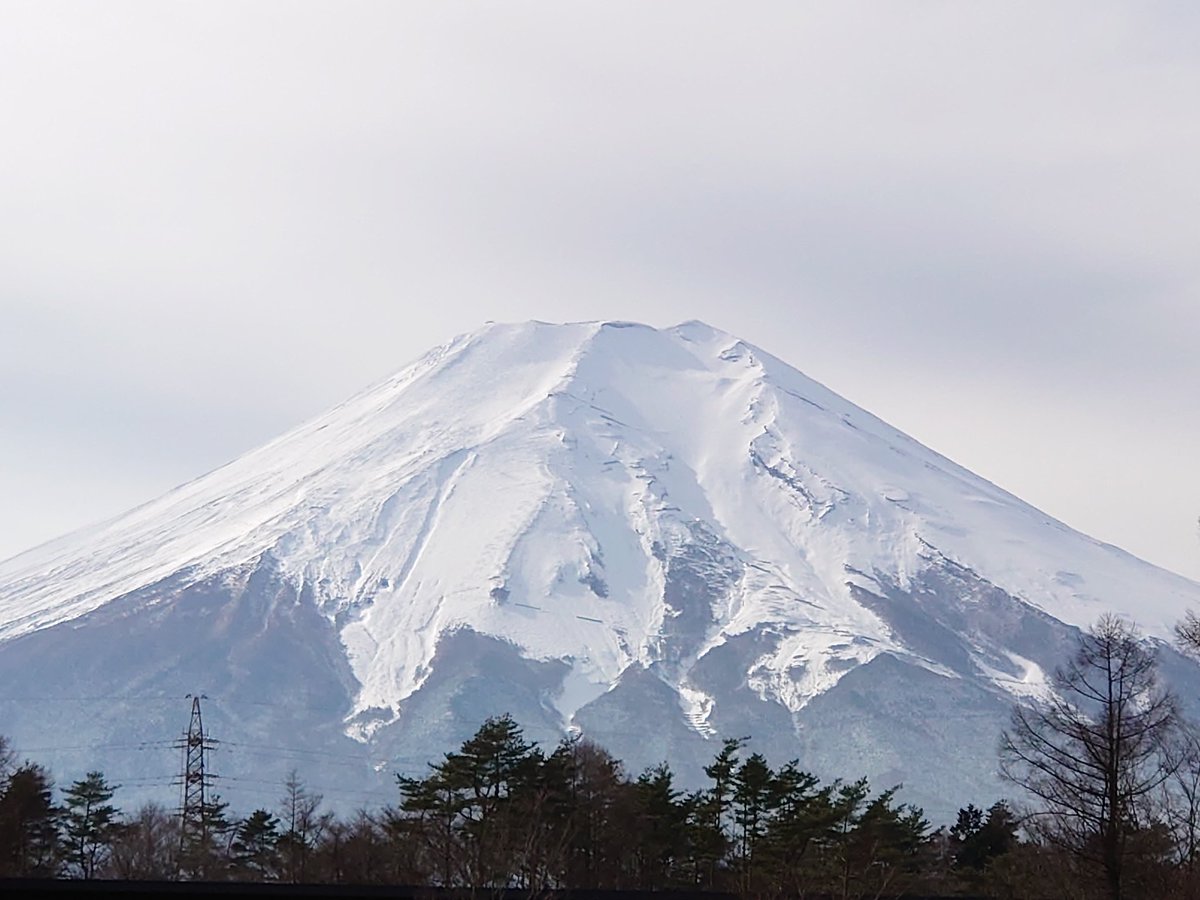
(1188, 633)
(299, 814)
(1180, 803)
(1096, 752)
(8, 762)
(147, 846)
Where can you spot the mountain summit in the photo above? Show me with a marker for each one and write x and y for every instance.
(658, 537)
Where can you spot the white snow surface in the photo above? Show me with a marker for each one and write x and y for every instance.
(497, 480)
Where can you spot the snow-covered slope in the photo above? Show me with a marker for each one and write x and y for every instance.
(611, 499)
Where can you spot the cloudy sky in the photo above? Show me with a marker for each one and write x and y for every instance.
(977, 220)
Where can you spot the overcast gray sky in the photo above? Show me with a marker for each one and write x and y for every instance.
(977, 220)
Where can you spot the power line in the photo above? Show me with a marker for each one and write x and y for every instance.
(143, 745)
(95, 698)
(355, 757)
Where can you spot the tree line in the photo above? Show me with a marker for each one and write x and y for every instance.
(1105, 771)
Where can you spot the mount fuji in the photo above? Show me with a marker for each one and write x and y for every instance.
(658, 538)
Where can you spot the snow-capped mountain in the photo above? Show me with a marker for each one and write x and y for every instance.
(660, 537)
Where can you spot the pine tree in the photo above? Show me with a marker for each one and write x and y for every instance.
(885, 842)
(485, 773)
(29, 841)
(711, 808)
(660, 838)
(472, 804)
(90, 823)
(540, 818)
(204, 851)
(846, 806)
(254, 850)
(754, 789)
(436, 803)
(594, 792)
(967, 825)
(978, 839)
(802, 814)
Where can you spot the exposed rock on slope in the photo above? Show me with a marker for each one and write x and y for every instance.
(656, 536)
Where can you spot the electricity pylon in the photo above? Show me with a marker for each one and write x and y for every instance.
(195, 810)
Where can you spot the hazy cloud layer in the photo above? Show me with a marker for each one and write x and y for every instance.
(976, 220)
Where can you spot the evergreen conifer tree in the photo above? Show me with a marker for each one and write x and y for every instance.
(254, 851)
(978, 838)
(204, 852)
(709, 835)
(29, 840)
(661, 827)
(90, 823)
(754, 790)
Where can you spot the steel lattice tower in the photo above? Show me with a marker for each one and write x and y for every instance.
(195, 779)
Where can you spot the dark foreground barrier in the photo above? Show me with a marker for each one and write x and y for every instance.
(13, 888)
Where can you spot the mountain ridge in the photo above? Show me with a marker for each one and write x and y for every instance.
(605, 499)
